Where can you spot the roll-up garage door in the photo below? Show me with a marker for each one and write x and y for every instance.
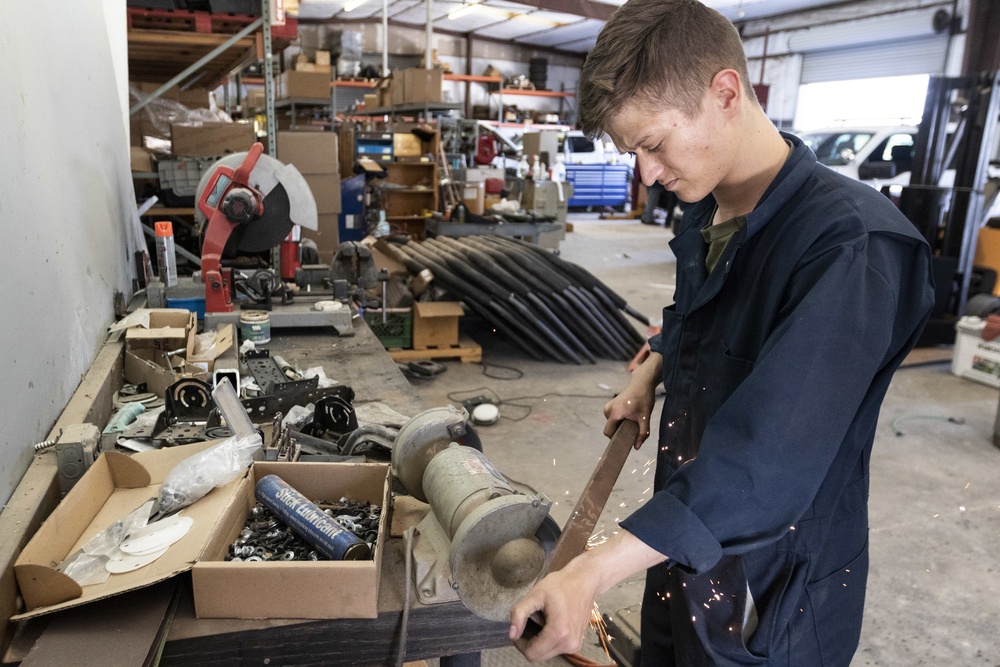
(924, 55)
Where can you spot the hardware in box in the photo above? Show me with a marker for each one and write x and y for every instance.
(294, 589)
(111, 488)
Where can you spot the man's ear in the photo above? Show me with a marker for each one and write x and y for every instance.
(726, 91)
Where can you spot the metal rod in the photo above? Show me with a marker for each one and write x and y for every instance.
(430, 36)
(385, 37)
(201, 62)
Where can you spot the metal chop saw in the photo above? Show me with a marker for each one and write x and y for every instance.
(482, 542)
(251, 203)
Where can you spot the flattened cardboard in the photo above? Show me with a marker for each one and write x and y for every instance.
(325, 189)
(147, 366)
(294, 589)
(113, 486)
(435, 323)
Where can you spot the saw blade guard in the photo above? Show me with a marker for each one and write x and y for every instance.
(266, 175)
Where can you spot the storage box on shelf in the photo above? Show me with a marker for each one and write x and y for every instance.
(316, 156)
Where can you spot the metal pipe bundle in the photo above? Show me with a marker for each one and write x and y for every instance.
(550, 308)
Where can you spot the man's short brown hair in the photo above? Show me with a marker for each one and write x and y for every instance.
(660, 52)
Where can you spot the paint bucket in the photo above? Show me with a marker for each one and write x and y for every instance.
(255, 325)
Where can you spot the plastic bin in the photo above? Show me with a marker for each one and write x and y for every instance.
(396, 332)
(179, 178)
(194, 304)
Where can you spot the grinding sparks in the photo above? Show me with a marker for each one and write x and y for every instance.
(601, 628)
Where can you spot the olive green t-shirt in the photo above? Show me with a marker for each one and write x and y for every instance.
(718, 236)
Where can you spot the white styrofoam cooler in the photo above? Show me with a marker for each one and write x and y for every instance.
(975, 358)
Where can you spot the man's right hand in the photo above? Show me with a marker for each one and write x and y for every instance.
(636, 401)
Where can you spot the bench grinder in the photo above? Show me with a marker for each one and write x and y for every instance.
(481, 542)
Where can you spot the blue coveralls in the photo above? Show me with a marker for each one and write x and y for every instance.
(775, 367)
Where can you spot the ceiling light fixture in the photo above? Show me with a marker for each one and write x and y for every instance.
(353, 4)
(463, 10)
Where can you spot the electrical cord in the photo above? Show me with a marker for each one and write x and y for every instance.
(517, 373)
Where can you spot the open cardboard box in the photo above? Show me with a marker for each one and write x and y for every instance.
(113, 486)
(294, 589)
(169, 329)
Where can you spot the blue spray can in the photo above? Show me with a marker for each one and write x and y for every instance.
(308, 520)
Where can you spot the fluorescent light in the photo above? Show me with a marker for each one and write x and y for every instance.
(463, 10)
(353, 4)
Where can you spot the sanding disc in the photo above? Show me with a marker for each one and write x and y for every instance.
(156, 536)
(120, 563)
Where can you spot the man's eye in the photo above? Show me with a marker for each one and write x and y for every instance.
(656, 148)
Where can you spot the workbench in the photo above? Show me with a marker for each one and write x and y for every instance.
(132, 628)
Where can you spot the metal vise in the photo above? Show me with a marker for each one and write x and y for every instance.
(482, 542)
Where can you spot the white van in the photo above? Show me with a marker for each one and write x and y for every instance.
(878, 156)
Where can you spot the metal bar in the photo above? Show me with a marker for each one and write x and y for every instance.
(594, 497)
(428, 63)
(272, 148)
(990, 89)
(201, 62)
(385, 37)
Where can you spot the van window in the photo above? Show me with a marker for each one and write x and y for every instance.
(830, 147)
(580, 145)
(896, 148)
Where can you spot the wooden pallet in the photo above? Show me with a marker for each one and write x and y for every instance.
(467, 351)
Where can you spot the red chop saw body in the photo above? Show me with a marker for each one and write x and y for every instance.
(228, 201)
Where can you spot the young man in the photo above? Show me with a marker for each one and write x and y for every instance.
(799, 292)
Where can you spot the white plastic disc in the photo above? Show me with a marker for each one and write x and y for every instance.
(156, 536)
(121, 563)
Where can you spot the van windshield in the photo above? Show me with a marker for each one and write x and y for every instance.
(833, 148)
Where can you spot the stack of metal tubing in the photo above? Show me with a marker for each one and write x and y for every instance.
(550, 308)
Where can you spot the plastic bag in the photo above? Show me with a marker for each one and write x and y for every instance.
(195, 476)
(89, 565)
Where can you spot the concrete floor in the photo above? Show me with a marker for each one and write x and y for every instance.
(934, 586)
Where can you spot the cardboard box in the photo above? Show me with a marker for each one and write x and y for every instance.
(141, 160)
(310, 85)
(974, 358)
(406, 144)
(295, 589)
(194, 98)
(422, 85)
(168, 329)
(310, 152)
(435, 324)
(371, 101)
(211, 139)
(988, 252)
(474, 197)
(323, 58)
(482, 174)
(397, 90)
(326, 191)
(114, 486)
(220, 346)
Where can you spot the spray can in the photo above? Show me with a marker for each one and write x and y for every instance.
(165, 255)
(305, 518)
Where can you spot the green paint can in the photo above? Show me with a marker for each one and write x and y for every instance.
(255, 325)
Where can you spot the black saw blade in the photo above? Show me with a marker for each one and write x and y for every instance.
(265, 232)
